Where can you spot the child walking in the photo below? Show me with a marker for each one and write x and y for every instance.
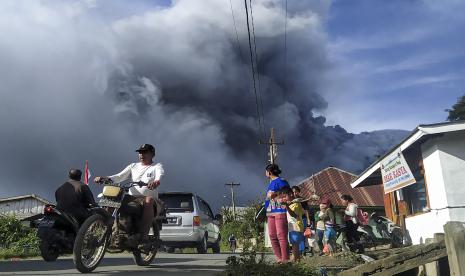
(329, 218)
(294, 218)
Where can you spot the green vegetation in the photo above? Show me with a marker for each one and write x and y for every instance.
(17, 240)
(248, 232)
(250, 237)
(252, 263)
(253, 260)
(457, 112)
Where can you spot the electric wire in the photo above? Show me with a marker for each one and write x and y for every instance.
(235, 30)
(241, 54)
(257, 69)
(253, 70)
(285, 64)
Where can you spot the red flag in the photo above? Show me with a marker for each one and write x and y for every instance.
(87, 173)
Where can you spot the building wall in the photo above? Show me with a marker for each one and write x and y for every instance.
(425, 225)
(444, 164)
(437, 195)
(452, 154)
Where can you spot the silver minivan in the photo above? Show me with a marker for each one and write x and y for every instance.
(189, 223)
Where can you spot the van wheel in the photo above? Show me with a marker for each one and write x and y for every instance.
(202, 247)
(216, 246)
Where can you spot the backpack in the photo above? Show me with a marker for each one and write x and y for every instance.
(362, 217)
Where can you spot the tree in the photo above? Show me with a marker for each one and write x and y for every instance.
(458, 110)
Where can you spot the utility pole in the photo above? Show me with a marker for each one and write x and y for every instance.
(272, 147)
(231, 185)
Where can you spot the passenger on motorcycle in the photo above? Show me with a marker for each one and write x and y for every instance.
(75, 197)
(145, 171)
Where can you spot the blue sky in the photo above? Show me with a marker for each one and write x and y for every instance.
(398, 63)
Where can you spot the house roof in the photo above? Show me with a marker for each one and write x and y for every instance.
(23, 211)
(16, 198)
(420, 133)
(332, 183)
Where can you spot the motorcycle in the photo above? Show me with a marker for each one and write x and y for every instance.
(56, 231)
(366, 239)
(387, 233)
(387, 229)
(113, 228)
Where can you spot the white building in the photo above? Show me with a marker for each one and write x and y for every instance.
(436, 156)
(22, 207)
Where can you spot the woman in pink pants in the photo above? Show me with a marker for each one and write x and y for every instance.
(276, 214)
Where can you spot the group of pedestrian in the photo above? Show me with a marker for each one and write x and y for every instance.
(289, 218)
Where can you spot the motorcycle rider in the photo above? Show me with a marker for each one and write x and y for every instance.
(145, 171)
(74, 197)
(232, 243)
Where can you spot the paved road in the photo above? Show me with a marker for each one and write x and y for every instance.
(122, 264)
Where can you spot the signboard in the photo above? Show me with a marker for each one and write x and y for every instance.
(396, 173)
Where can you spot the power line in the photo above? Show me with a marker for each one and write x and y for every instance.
(253, 69)
(256, 67)
(285, 59)
(235, 30)
(241, 54)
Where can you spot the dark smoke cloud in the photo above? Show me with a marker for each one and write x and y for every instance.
(76, 86)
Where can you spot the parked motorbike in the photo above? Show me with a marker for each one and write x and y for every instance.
(387, 233)
(388, 229)
(113, 228)
(366, 239)
(56, 231)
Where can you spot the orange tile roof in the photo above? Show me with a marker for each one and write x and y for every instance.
(333, 182)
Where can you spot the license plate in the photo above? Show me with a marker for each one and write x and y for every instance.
(46, 223)
(104, 202)
(171, 220)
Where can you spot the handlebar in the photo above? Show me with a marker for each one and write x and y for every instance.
(109, 182)
(132, 184)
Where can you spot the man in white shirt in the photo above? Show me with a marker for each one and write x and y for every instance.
(147, 172)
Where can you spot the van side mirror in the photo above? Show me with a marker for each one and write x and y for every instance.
(219, 217)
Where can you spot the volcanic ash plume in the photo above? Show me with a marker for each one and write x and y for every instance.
(79, 84)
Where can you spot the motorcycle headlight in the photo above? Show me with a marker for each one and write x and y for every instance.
(111, 191)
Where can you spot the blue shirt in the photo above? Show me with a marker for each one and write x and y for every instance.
(272, 206)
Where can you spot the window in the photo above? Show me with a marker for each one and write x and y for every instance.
(177, 202)
(205, 208)
(415, 195)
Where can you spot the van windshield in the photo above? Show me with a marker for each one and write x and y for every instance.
(178, 202)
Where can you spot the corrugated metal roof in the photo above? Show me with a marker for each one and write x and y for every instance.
(34, 196)
(23, 207)
(332, 183)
